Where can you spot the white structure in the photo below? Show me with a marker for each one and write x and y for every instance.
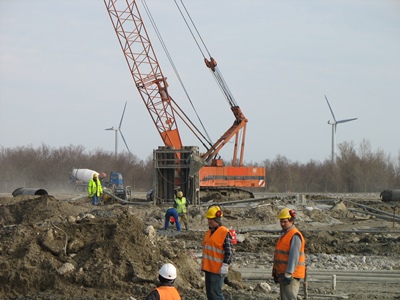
(83, 174)
(334, 124)
(118, 129)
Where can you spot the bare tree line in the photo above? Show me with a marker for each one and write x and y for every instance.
(355, 170)
(49, 168)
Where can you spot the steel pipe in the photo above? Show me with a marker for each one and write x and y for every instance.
(387, 276)
(373, 209)
(29, 191)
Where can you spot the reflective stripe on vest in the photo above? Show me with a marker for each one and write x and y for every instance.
(213, 250)
(281, 255)
(168, 293)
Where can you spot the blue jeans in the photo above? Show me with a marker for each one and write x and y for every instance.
(95, 199)
(214, 286)
(172, 212)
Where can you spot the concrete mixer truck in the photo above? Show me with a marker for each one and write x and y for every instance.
(81, 177)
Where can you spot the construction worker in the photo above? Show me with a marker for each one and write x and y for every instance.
(181, 206)
(217, 253)
(289, 258)
(171, 216)
(165, 290)
(95, 189)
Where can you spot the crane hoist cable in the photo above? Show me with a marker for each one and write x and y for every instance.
(154, 25)
(190, 29)
(211, 63)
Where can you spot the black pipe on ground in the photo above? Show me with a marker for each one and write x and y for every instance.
(390, 195)
(29, 191)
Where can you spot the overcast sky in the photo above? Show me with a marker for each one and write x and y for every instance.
(64, 79)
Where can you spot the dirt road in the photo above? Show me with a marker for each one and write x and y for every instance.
(62, 247)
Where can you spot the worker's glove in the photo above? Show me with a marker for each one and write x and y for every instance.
(224, 270)
(276, 279)
(275, 275)
(287, 279)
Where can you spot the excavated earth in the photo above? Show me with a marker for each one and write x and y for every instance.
(62, 247)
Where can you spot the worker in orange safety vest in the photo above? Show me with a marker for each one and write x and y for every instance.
(217, 253)
(289, 257)
(165, 290)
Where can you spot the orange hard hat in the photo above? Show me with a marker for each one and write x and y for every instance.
(172, 220)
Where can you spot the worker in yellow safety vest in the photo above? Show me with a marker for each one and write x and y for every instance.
(165, 290)
(95, 190)
(181, 205)
(289, 257)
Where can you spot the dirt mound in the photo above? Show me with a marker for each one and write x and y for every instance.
(52, 247)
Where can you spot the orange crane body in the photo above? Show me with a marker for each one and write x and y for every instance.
(164, 111)
(229, 176)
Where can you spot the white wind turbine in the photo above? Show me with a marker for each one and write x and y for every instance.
(334, 124)
(118, 129)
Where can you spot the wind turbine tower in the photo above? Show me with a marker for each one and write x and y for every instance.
(118, 129)
(334, 125)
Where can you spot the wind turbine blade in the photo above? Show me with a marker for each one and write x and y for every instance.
(333, 115)
(123, 113)
(346, 120)
(125, 142)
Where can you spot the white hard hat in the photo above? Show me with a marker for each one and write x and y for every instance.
(168, 271)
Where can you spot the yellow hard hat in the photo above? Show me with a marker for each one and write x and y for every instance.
(286, 213)
(94, 175)
(213, 212)
(180, 194)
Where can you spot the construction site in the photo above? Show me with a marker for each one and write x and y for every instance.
(62, 247)
(56, 244)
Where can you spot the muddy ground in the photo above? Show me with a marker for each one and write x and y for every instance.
(62, 247)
